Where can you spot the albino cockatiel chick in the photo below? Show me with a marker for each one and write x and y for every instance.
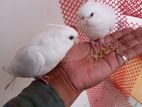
(43, 53)
(96, 20)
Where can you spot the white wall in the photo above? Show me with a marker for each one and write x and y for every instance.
(19, 21)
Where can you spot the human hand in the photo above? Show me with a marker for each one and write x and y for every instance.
(79, 70)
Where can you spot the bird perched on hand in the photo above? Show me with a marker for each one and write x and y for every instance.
(43, 53)
(96, 20)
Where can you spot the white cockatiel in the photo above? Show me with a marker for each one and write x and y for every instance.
(43, 53)
(96, 20)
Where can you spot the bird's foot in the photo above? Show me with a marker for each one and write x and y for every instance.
(95, 46)
(102, 43)
(95, 52)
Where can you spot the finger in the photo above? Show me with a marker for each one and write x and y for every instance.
(124, 45)
(129, 53)
(121, 47)
(118, 34)
(128, 37)
(126, 42)
(138, 32)
(138, 49)
(131, 39)
(131, 43)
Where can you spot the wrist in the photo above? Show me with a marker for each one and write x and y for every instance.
(61, 84)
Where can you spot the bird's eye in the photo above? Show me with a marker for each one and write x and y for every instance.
(92, 14)
(71, 37)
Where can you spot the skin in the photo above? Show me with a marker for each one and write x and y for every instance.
(79, 71)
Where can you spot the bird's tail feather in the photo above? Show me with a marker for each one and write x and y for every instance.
(12, 82)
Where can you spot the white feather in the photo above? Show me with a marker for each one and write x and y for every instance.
(100, 24)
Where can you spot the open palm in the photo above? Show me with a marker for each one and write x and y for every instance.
(82, 71)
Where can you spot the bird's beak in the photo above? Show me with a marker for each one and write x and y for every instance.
(76, 41)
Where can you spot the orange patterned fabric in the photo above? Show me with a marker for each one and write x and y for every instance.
(107, 95)
(126, 76)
